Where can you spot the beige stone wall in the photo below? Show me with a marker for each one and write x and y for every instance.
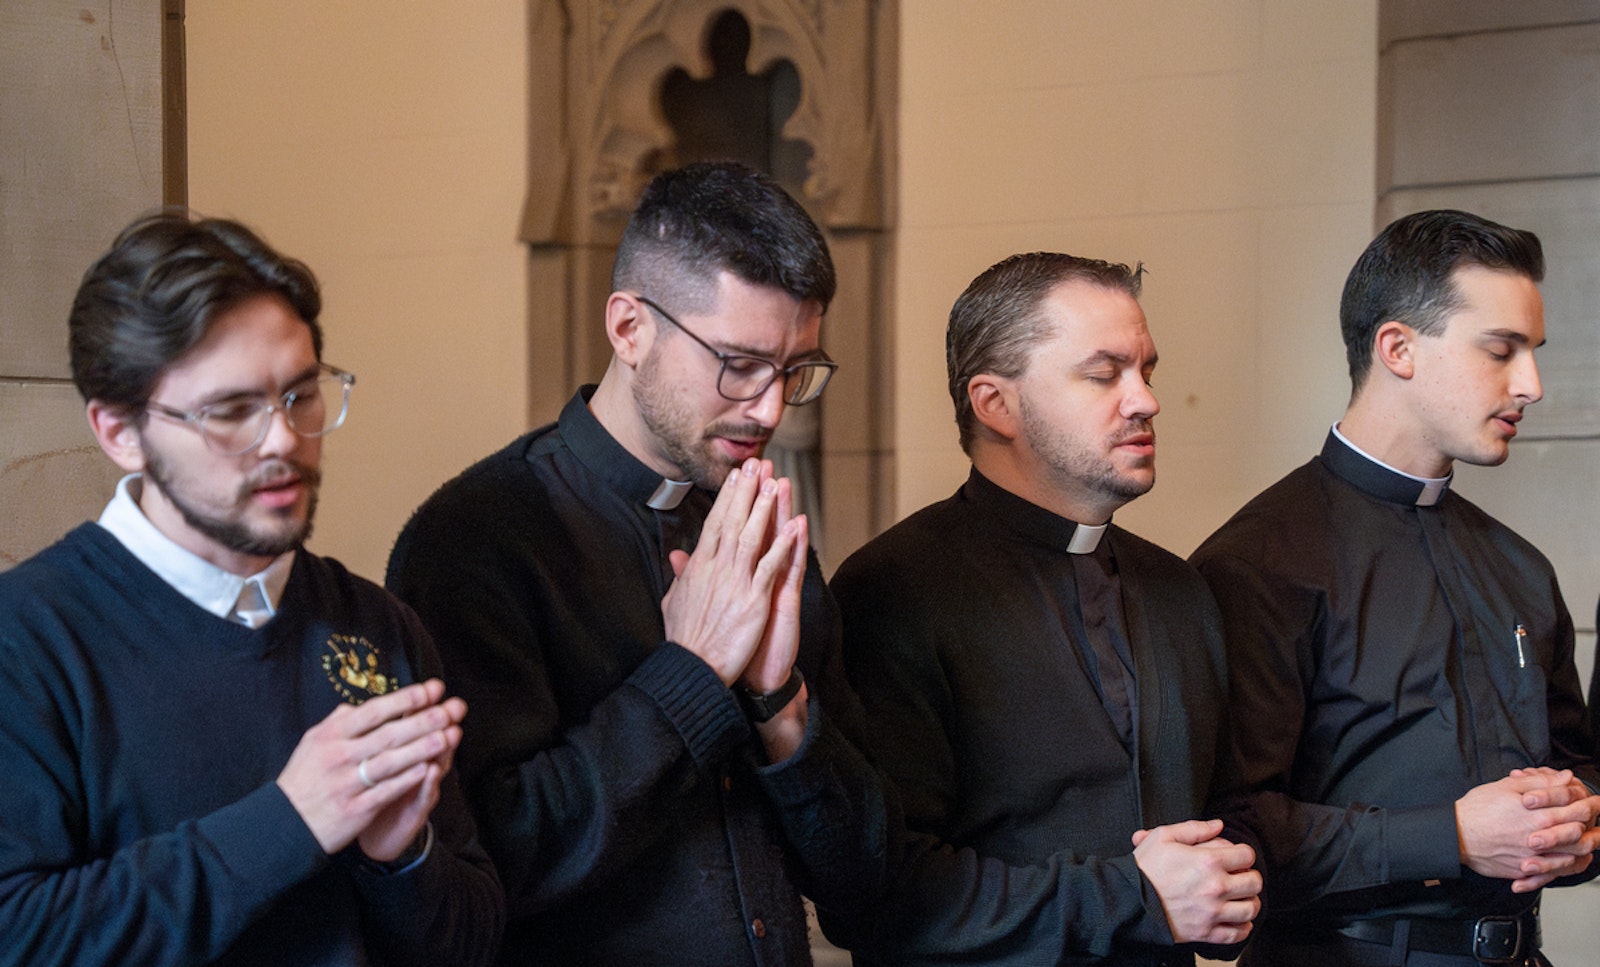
(385, 145)
(80, 154)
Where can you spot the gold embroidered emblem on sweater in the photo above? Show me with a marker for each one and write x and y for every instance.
(352, 667)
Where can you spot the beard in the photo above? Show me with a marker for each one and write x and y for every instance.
(685, 445)
(235, 533)
(1078, 466)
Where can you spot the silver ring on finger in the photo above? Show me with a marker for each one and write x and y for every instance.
(361, 773)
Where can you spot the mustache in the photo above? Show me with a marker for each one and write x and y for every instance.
(277, 471)
(1133, 429)
(740, 431)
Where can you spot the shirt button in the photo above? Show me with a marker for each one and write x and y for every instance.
(727, 783)
(758, 928)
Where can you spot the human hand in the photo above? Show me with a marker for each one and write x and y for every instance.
(364, 770)
(722, 595)
(1531, 827)
(773, 660)
(1206, 884)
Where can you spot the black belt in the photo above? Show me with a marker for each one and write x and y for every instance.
(1490, 940)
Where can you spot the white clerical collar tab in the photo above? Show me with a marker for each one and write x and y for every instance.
(1086, 538)
(1432, 491)
(669, 494)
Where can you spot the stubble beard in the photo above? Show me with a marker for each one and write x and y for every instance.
(237, 535)
(685, 446)
(1081, 468)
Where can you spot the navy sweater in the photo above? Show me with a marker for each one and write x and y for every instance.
(139, 817)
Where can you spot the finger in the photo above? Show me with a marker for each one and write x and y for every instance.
(776, 560)
(1191, 831)
(1556, 864)
(1236, 858)
(391, 789)
(1528, 884)
(789, 591)
(396, 760)
(728, 496)
(1140, 835)
(374, 712)
(1580, 813)
(1225, 934)
(1244, 885)
(1555, 795)
(403, 732)
(679, 561)
(754, 536)
(1238, 911)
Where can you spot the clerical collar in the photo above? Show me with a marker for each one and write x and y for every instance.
(1367, 472)
(669, 494)
(208, 586)
(1032, 522)
(1086, 537)
(609, 460)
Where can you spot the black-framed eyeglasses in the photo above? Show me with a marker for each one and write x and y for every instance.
(747, 377)
(234, 427)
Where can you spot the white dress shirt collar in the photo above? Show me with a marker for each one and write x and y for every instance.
(208, 586)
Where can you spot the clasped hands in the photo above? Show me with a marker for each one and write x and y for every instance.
(371, 773)
(1531, 827)
(735, 602)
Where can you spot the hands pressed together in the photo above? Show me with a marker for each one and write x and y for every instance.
(370, 773)
(735, 602)
(1531, 827)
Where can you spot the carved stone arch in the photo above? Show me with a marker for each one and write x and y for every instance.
(597, 134)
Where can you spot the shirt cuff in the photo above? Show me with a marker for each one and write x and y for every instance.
(1422, 843)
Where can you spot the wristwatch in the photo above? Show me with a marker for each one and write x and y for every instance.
(762, 707)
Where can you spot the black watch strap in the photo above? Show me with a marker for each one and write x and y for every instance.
(761, 708)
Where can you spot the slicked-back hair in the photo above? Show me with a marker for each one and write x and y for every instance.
(696, 221)
(1407, 275)
(153, 296)
(997, 322)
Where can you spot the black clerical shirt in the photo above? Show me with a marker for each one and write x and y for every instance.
(1386, 656)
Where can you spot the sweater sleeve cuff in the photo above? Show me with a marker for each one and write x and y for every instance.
(1152, 929)
(702, 709)
(797, 778)
(263, 838)
(1422, 843)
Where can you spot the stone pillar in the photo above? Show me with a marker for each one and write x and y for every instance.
(91, 134)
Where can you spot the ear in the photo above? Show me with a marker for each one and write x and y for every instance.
(116, 429)
(1394, 347)
(996, 404)
(626, 328)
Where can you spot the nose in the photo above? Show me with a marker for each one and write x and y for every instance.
(1139, 402)
(281, 438)
(1527, 385)
(767, 409)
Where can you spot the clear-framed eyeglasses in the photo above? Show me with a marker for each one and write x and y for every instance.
(747, 377)
(234, 427)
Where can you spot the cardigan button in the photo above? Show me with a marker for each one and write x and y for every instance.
(758, 928)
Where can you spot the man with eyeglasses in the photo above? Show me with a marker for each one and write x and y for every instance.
(649, 762)
(218, 747)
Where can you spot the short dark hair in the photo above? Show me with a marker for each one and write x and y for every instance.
(1406, 275)
(695, 221)
(153, 296)
(996, 322)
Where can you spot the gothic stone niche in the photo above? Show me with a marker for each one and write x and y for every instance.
(599, 128)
